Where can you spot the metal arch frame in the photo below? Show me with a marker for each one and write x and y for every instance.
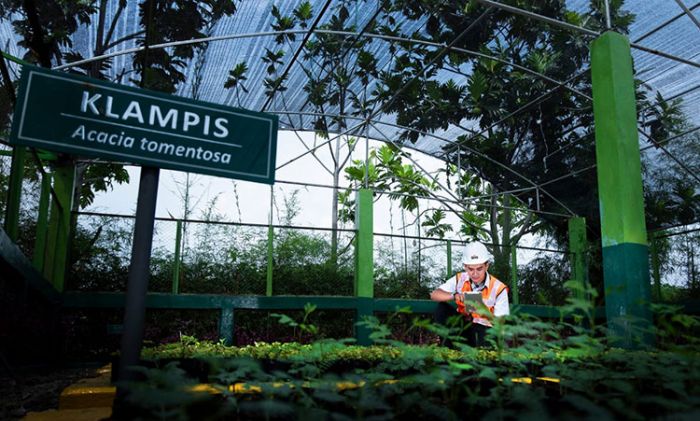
(390, 38)
(357, 36)
(689, 13)
(664, 24)
(472, 200)
(525, 107)
(672, 97)
(375, 112)
(445, 47)
(456, 200)
(318, 31)
(534, 186)
(347, 33)
(425, 67)
(645, 148)
(354, 41)
(581, 29)
(298, 51)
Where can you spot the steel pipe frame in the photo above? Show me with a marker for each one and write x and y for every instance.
(318, 31)
(370, 35)
(398, 39)
(641, 150)
(298, 51)
(664, 24)
(475, 152)
(689, 13)
(458, 201)
(580, 29)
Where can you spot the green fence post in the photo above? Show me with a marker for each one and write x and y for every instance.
(58, 237)
(577, 248)
(176, 266)
(226, 321)
(270, 257)
(514, 274)
(42, 223)
(364, 261)
(14, 193)
(624, 242)
(449, 258)
(270, 246)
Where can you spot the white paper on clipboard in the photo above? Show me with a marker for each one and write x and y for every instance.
(472, 297)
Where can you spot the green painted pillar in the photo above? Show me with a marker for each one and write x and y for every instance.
(58, 236)
(14, 193)
(364, 247)
(577, 250)
(270, 259)
(226, 320)
(449, 258)
(176, 258)
(624, 242)
(42, 223)
(364, 260)
(270, 245)
(514, 274)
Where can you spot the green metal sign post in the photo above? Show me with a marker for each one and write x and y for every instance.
(89, 117)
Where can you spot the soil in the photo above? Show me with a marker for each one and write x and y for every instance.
(36, 389)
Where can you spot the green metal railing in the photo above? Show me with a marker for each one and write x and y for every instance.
(437, 263)
(360, 298)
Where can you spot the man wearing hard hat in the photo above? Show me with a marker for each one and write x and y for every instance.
(474, 279)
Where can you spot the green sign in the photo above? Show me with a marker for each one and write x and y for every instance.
(89, 117)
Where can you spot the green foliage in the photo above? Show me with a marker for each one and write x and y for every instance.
(45, 27)
(165, 21)
(435, 226)
(547, 369)
(387, 171)
(237, 76)
(303, 325)
(157, 396)
(100, 178)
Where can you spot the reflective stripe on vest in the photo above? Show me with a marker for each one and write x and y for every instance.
(488, 296)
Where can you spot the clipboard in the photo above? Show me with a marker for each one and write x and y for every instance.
(472, 297)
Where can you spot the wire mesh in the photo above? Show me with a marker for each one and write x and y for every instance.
(100, 253)
(541, 279)
(675, 264)
(408, 267)
(215, 258)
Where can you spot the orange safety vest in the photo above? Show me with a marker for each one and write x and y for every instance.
(488, 296)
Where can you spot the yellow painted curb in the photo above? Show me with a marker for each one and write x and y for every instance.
(80, 396)
(92, 392)
(83, 414)
(528, 380)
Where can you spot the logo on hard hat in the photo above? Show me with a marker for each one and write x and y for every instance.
(475, 257)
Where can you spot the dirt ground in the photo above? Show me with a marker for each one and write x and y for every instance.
(35, 389)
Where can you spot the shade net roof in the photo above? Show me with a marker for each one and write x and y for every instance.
(411, 74)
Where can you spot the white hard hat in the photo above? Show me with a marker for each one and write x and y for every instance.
(475, 253)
